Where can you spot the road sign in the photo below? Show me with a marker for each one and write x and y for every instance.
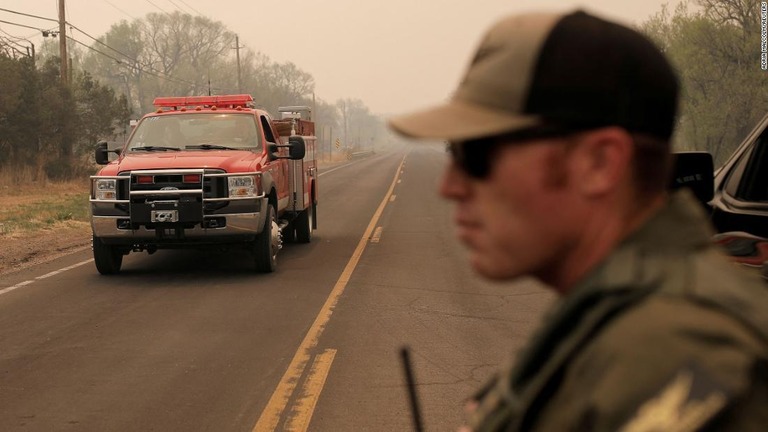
(338, 143)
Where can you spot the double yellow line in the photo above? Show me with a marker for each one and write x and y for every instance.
(304, 408)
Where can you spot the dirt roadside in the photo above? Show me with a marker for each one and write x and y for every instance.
(20, 250)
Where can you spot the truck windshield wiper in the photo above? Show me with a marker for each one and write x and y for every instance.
(155, 148)
(210, 147)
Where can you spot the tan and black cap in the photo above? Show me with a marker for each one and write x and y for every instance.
(571, 69)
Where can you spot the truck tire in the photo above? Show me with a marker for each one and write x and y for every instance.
(108, 258)
(303, 225)
(268, 243)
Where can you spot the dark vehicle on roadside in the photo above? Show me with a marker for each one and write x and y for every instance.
(736, 195)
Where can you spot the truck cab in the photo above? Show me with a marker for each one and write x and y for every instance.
(206, 172)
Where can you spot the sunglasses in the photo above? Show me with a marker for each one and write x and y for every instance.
(475, 157)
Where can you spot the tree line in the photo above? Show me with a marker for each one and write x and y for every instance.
(46, 126)
(715, 47)
(48, 130)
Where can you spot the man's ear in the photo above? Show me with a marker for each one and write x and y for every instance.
(602, 160)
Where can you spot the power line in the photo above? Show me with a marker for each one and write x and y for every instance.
(176, 6)
(161, 9)
(150, 71)
(18, 38)
(21, 25)
(72, 26)
(43, 31)
(38, 29)
(119, 61)
(187, 4)
(11, 47)
(135, 63)
(28, 15)
(120, 10)
(13, 39)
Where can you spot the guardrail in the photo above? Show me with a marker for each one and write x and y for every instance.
(360, 154)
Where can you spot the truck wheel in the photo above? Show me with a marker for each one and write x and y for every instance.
(267, 243)
(108, 258)
(303, 225)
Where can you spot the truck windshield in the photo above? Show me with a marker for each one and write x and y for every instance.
(196, 131)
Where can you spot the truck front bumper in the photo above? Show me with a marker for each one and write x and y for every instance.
(166, 212)
(117, 229)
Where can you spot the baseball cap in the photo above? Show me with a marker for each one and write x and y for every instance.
(571, 69)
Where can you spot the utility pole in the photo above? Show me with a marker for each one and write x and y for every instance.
(237, 50)
(344, 112)
(63, 44)
(30, 50)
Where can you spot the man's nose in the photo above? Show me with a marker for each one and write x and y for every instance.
(454, 183)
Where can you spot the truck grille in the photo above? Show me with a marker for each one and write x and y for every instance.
(168, 194)
(212, 187)
(139, 185)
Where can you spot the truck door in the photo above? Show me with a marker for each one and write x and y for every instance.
(280, 171)
(741, 187)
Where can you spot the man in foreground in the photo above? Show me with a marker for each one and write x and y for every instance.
(559, 137)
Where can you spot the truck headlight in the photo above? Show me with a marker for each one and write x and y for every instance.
(242, 187)
(105, 189)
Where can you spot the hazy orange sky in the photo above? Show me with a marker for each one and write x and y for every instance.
(395, 55)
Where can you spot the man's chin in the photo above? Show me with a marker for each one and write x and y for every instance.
(493, 271)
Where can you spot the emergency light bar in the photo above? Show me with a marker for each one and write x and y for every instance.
(222, 101)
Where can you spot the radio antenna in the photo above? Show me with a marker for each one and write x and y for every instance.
(411, 385)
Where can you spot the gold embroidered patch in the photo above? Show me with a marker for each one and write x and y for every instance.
(673, 410)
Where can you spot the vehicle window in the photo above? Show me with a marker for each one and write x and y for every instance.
(268, 134)
(157, 131)
(754, 182)
(737, 171)
(199, 129)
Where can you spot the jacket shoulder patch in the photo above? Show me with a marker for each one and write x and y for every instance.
(685, 404)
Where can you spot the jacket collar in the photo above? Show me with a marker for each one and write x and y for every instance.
(631, 272)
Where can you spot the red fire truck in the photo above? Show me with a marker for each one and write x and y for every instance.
(207, 172)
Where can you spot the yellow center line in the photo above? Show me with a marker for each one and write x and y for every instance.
(270, 417)
(305, 407)
(376, 235)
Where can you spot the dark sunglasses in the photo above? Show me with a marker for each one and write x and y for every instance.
(475, 157)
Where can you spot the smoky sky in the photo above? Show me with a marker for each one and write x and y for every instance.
(394, 55)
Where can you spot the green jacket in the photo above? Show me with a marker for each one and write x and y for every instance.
(665, 335)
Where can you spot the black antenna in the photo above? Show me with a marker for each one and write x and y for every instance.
(411, 384)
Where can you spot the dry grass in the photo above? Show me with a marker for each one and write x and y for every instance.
(40, 221)
(28, 206)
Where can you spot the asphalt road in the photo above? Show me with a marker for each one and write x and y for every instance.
(194, 341)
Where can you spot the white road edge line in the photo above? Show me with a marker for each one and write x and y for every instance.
(334, 169)
(53, 273)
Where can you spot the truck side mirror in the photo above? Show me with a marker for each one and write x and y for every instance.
(102, 153)
(297, 148)
(694, 170)
(272, 151)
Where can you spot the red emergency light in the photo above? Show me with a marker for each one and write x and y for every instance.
(221, 101)
(191, 178)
